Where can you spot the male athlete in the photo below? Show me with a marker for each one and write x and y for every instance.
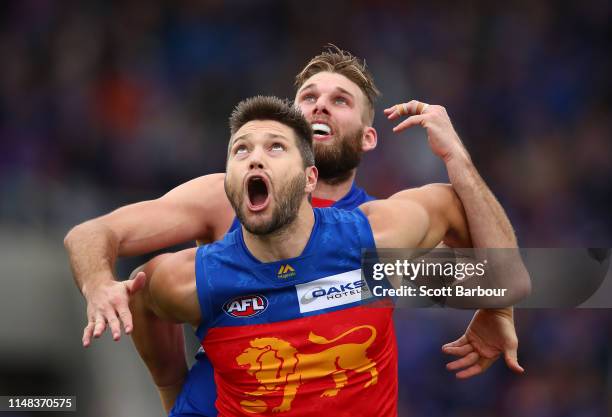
(336, 94)
(275, 347)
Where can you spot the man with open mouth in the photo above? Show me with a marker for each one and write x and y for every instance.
(272, 352)
(336, 94)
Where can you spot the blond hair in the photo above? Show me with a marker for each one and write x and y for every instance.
(334, 59)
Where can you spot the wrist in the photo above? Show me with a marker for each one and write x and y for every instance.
(506, 312)
(94, 282)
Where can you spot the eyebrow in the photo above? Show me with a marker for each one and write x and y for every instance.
(342, 90)
(247, 135)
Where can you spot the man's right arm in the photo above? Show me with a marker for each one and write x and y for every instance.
(198, 209)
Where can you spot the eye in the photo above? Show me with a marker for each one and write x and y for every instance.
(340, 100)
(309, 98)
(240, 150)
(277, 147)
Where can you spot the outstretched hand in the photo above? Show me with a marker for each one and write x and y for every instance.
(443, 140)
(490, 334)
(108, 305)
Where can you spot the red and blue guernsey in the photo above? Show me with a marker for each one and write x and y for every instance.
(198, 395)
(299, 336)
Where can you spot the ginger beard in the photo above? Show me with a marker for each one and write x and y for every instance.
(336, 160)
(286, 199)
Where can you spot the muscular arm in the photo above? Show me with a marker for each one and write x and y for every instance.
(167, 298)
(196, 209)
(491, 331)
(423, 217)
(419, 218)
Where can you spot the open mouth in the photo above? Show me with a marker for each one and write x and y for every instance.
(321, 131)
(258, 195)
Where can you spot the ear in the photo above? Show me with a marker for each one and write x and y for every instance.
(312, 174)
(369, 139)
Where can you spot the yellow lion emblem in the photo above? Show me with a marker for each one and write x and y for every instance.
(278, 366)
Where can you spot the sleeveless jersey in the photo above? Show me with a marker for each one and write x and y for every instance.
(198, 395)
(298, 336)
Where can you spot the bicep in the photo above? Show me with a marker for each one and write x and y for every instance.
(172, 289)
(447, 219)
(397, 224)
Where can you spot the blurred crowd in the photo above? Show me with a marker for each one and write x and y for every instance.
(104, 103)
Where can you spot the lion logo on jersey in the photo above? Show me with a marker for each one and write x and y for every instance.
(279, 367)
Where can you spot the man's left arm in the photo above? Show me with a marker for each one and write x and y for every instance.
(491, 331)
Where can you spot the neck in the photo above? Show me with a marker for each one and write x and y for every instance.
(334, 188)
(287, 242)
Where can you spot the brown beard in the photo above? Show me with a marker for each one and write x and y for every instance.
(287, 203)
(335, 162)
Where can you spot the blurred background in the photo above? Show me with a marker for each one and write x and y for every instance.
(105, 103)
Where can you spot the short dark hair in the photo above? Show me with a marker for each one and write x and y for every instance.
(334, 59)
(274, 108)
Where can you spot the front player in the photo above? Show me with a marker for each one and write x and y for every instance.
(275, 349)
(336, 93)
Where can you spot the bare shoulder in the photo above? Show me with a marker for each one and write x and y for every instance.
(173, 288)
(429, 195)
(396, 223)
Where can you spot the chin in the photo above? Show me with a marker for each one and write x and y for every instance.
(257, 223)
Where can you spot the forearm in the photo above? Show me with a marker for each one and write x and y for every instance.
(161, 346)
(93, 249)
(168, 395)
(489, 226)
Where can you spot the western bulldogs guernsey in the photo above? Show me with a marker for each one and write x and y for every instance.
(198, 395)
(298, 336)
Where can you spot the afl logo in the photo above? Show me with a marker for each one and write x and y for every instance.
(246, 306)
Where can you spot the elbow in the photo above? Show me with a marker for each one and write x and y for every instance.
(519, 290)
(524, 286)
(73, 236)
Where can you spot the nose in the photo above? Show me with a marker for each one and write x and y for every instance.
(256, 164)
(256, 159)
(320, 107)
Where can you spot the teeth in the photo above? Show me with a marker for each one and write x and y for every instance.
(321, 127)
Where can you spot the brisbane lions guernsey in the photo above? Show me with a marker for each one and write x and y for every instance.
(198, 395)
(299, 336)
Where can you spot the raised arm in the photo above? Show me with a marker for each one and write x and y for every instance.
(491, 332)
(197, 209)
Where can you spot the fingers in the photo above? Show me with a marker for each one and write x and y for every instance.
(100, 326)
(470, 372)
(468, 360)
(87, 333)
(413, 107)
(481, 365)
(459, 350)
(133, 286)
(136, 284)
(126, 318)
(409, 122)
(113, 323)
(512, 361)
(457, 343)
